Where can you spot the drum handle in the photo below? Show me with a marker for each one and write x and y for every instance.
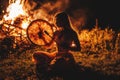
(48, 34)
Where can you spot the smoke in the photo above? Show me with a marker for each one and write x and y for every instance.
(79, 18)
(45, 9)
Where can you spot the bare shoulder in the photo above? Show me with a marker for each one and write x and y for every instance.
(72, 32)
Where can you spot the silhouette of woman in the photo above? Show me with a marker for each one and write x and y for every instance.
(66, 40)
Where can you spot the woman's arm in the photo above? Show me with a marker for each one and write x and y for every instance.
(76, 45)
(53, 41)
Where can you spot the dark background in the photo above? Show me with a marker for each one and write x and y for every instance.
(107, 11)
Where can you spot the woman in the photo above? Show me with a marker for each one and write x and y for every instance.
(66, 40)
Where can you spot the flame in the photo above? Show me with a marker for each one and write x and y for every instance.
(16, 13)
(25, 24)
(14, 10)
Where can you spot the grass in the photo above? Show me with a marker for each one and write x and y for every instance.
(100, 52)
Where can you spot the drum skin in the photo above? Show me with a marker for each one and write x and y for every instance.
(39, 32)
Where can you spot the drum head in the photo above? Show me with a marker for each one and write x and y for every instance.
(39, 32)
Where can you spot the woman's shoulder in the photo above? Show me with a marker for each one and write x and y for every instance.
(71, 31)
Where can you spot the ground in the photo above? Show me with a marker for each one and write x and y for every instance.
(22, 68)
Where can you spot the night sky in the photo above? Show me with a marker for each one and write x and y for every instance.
(107, 11)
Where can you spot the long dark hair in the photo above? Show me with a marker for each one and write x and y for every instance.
(62, 20)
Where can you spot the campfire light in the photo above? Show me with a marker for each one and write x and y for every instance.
(25, 24)
(14, 10)
(16, 15)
